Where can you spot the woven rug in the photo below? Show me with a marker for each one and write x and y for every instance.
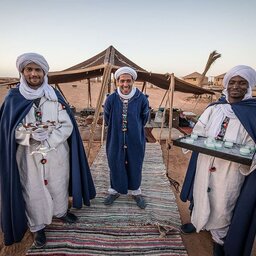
(122, 228)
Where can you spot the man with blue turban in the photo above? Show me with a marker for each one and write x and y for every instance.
(126, 113)
(221, 192)
(42, 159)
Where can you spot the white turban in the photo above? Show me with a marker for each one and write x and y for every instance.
(27, 58)
(126, 70)
(246, 72)
(45, 89)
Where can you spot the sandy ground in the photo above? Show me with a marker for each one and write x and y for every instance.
(76, 94)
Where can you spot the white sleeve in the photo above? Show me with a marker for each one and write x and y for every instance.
(200, 126)
(63, 131)
(244, 169)
(22, 138)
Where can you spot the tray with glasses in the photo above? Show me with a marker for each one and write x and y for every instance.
(227, 150)
(30, 128)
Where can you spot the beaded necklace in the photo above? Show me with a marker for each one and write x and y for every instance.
(124, 115)
(223, 128)
(38, 112)
(38, 117)
(124, 124)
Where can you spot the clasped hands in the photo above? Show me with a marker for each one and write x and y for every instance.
(40, 134)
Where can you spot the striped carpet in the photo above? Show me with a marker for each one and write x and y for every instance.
(123, 228)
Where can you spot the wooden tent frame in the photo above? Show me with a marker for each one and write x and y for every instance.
(106, 63)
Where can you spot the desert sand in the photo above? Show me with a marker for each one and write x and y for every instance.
(76, 94)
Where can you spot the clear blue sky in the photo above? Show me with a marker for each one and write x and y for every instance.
(159, 35)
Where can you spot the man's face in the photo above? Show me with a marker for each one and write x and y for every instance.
(34, 75)
(237, 88)
(125, 83)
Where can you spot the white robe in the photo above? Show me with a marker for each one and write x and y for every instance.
(214, 209)
(42, 202)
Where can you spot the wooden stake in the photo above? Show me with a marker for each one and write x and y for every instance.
(102, 132)
(170, 90)
(106, 74)
(89, 103)
(144, 86)
(168, 142)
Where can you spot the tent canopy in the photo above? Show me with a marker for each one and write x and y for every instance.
(94, 67)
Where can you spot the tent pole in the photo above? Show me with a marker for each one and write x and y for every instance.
(106, 74)
(89, 103)
(102, 132)
(170, 97)
(197, 101)
(168, 142)
(109, 84)
(211, 98)
(144, 86)
(115, 87)
(103, 120)
(163, 98)
(167, 99)
(162, 123)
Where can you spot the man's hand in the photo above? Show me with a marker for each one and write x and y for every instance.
(40, 134)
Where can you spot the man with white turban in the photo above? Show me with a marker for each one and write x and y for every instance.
(35, 185)
(126, 113)
(217, 187)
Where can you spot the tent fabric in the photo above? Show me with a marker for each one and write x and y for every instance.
(94, 67)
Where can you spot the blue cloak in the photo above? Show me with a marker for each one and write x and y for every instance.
(81, 186)
(242, 230)
(124, 177)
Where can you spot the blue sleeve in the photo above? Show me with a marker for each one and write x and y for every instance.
(107, 109)
(145, 111)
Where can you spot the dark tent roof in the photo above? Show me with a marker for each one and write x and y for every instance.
(94, 67)
(111, 56)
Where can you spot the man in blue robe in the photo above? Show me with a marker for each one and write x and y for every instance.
(35, 184)
(221, 192)
(126, 113)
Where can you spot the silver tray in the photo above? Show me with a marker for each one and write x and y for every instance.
(231, 154)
